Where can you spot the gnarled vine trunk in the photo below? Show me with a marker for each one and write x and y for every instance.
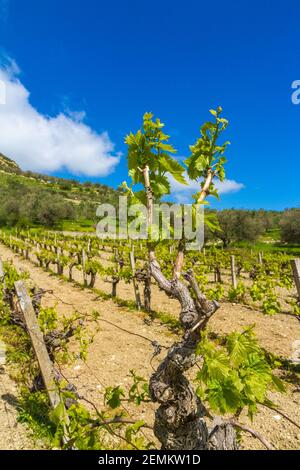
(92, 279)
(115, 281)
(143, 275)
(71, 266)
(179, 420)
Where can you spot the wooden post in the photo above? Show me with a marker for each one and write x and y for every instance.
(135, 284)
(83, 268)
(233, 273)
(2, 276)
(260, 258)
(2, 353)
(60, 269)
(2, 344)
(26, 250)
(147, 290)
(1, 269)
(218, 277)
(296, 273)
(38, 343)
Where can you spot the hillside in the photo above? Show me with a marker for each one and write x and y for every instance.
(7, 164)
(71, 189)
(73, 203)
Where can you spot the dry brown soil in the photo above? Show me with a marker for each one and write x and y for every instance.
(115, 351)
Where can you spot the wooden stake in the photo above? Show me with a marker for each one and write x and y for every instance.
(59, 266)
(2, 353)
(135, 284)
(38, 343)
(1, 269)
(83, 268)
(233, 273)
(296, 273)
(2, 277)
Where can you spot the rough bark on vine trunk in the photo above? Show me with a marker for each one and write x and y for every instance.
(60, 269)
(179, 420)
(144, 276)
(71, 266)
(115, 282)
(92, 279)
(147, 293)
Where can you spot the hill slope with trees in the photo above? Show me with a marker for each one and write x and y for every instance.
(29, 199)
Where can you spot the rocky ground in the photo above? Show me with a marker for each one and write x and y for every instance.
(122, 341)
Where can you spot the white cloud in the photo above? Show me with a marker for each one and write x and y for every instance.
(42, 143)
(183, 193)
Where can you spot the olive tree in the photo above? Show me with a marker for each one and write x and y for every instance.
(290, 226)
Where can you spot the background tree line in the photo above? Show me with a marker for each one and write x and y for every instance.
(238, 225)
(25, 206)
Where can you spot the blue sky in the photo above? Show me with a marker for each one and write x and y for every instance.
(96, 66)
